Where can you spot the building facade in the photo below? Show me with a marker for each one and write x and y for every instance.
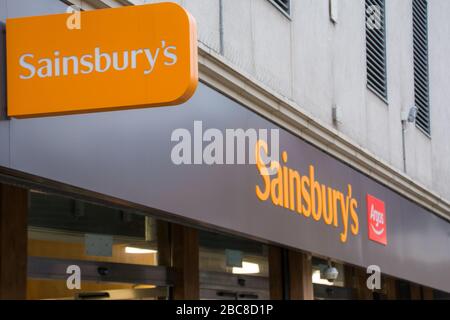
(357, 91)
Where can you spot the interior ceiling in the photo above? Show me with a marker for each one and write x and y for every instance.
(59, 215)
(45, 234)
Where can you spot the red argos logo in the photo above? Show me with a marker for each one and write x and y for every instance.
(376, 219)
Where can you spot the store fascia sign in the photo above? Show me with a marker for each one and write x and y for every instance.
(304, 194)
(121, 58)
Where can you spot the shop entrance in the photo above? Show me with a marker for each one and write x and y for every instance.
(232, 268)
(223, 286)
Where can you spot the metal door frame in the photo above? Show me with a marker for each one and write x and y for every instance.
(324, 292)
(227, 286)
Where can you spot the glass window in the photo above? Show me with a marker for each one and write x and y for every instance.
(232, 268)
(376, 47)
(68, 231)
(421, 67)
(283, 5)
(220, 253)
(319, 268)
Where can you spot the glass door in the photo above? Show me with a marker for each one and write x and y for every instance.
(223, 286)
(232, 268)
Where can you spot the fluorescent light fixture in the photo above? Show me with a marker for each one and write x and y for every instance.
(135, 250)
(247, 268)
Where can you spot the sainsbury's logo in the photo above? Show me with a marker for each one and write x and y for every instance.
(97, 61)
(149, 59)
(376, 220)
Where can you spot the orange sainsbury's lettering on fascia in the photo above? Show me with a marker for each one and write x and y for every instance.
(121, 58)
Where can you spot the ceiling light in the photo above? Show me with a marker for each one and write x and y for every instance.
(247, 268)
(135, 250)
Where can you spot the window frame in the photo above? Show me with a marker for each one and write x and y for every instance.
(287, 13)
(382, 94)
(425, 128)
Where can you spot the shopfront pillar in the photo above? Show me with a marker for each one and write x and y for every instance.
(290, 274)
(300, 275)
(391, 287)
(357, 280)
(416, 292)
(164, 246)
(13, 242)
(185, 262)
(276, 277)
(427, 293)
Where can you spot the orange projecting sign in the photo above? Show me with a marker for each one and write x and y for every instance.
(122, 58)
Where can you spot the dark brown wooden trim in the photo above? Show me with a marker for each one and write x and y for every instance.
(416, 292)
(427, 293)
(13, 242)
(349, 279)
(358, 282)
(276, 273)
(185, 262)
(300, 276)
(390, 285)
(164, 247)
(290, 275)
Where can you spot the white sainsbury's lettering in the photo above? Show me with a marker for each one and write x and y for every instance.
(98, 61)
